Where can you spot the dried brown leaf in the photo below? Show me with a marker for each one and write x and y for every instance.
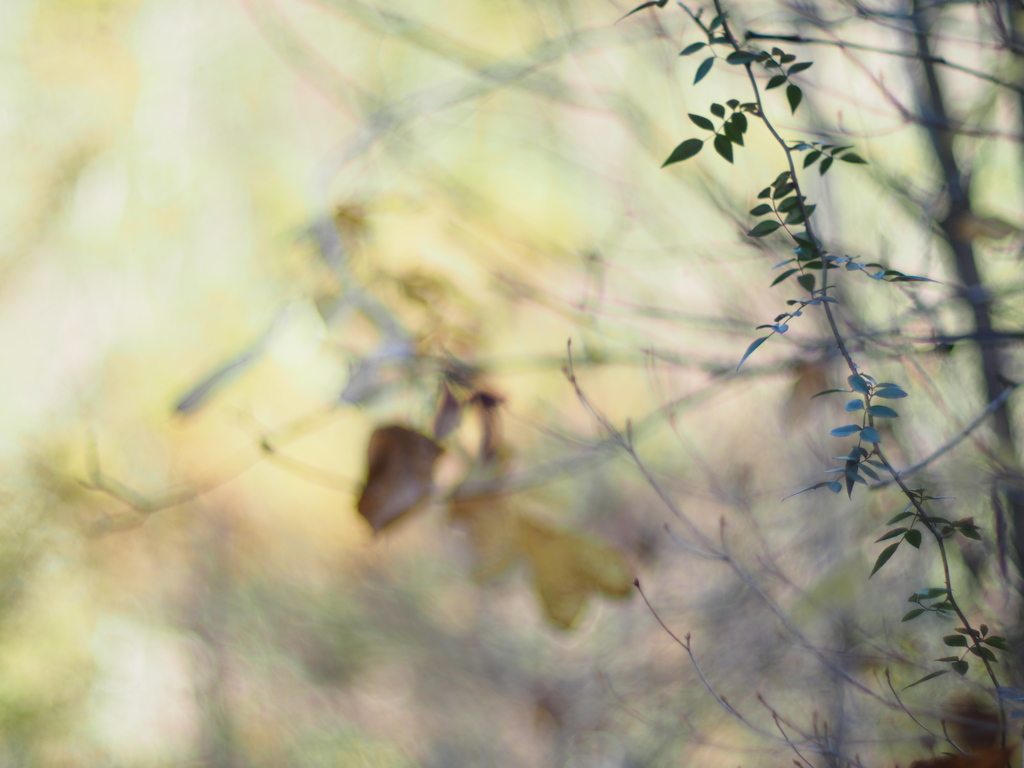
(399, 474)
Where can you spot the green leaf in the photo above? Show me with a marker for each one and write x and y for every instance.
(684, 151)
(741, 57)
(724, 147)
(793, 95)
(781, 190)
(764, 193)
(703, 69)
(929, 676)
(882, 412)
(718, 110)
(732, 104)
(775, 82)
(909, 615)
(716, 22)
(955, 641)
(692, 48)
(740, 121)
(849, 429)
(854, 405)
(750, 350)
(859, 384)
(812, 158)
(852, 157)
(870, 434)
(960, 667)
(869, 472)
(787, 57)
(800, 66)
(760, 210)
(825, 165)
(891, 534)
(806, 282)
(983, 652)
(764, 228)
(997, 642)
(897, 518)
(701, 122)
(732, 133)
(891, 392)
(649, 4)
(883, 558)
(913, 538)
(783, 276)
(835, 487)
(789, 204)
(828, 392)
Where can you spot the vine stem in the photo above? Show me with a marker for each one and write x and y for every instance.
(915, 499)
(796, 186)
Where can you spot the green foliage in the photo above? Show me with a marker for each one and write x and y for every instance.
(786, 209)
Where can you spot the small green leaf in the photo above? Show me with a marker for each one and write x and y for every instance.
(891, 392)
(884, 558)
(960, 667)
(750, 350)
(741, 57)
(828, 392)
(983, 629)
(983, 652)
(716, 22)
(955, 641)
(787, 57)
(724, 147)
(870, 434)
(882, 412)
(852, 157)
(764, 228)
(812, 158)
(849, 429)
(800, 66)
(909, 615)
(781, 190)
(775, 82)
(997, 642)
(701, 122)
(740, 121)
(913, 538)
(854, 405)
(684, 151)
(859, 384)
(718, 110)
(760, 210)
(835, 486)
(764, 193)
(793, 95)
(806, 282)
(783, 276)
(900, 516)
(825, 165)
(703, 69)
(692, 48)
(732, 133)
(891, 534)
(926, 678)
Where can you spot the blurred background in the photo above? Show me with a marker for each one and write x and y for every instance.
(241, 236)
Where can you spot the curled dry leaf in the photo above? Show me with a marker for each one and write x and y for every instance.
(449, 414)
(399, 474)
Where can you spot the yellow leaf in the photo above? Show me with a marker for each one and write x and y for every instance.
(568, 567)
(493, 532)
